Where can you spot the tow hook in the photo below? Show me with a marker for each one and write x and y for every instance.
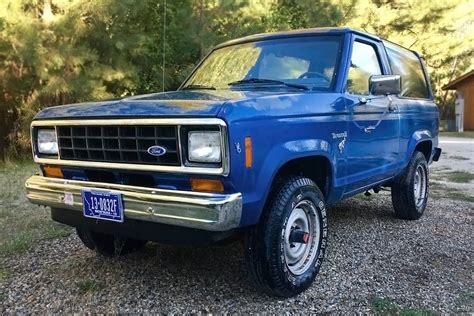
(299, 236)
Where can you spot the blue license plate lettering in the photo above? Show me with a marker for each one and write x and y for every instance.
(102, 205)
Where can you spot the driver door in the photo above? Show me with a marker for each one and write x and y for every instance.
(373, 129)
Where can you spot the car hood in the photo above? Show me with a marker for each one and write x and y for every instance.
(182, 103)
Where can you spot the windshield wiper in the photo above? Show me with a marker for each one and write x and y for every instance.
(268, 81)
(197, 87)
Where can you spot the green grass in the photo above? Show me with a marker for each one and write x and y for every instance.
(4, 274)
(458, 176)
(17, 244)
(23, 224)
(56, 231)
(460, 196)
(89, 286)
(363, 197)
(465, 299)
(466, 134)
(440, 190)
(436, 186)
(386, 306)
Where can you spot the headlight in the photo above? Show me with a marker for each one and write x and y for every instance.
(204, 146)
(47, 142)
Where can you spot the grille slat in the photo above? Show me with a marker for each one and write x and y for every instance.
(126, 144)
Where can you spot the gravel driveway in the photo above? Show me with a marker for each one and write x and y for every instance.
(375, 263)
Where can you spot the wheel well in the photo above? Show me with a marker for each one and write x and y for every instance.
(425, 147)
(316, 168)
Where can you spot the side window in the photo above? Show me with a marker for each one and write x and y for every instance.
(406, 64)
(364, 63)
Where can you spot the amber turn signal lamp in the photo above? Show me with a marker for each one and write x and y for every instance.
(206, 185)
(52, 172)
(248, 152)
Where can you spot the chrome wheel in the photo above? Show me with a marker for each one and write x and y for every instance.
(302, 236)
(420, 187)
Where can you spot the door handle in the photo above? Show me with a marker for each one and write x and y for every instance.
(363, 101)
(391, 107)
(369, 129)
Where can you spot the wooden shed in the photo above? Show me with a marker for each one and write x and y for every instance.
(464, 86)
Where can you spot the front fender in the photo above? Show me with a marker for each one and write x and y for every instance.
(291, 150)
(256, 193)
(282, 126)
(416, 138)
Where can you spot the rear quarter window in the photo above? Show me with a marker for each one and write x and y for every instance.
(406, 64)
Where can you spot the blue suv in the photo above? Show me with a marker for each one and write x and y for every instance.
(266, 132)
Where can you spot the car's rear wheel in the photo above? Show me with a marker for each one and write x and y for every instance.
(410, 189)
(285, 250)
(109, 245)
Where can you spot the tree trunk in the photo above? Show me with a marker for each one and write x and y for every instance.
(444, 111)
(3, 133)
(201, 29)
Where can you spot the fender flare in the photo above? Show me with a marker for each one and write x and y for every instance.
(289, 151)
(416, 138)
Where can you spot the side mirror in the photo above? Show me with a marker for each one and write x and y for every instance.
(384, 84)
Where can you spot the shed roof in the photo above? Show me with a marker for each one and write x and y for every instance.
(458, 81)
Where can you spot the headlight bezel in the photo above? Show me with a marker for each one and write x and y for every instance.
(51, 141)
(184, 143)
(215, 150)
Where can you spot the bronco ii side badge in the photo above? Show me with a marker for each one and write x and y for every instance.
(342, 143)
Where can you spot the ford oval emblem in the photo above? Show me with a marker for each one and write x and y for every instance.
(156, 150)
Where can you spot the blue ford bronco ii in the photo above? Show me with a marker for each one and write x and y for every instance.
(265, 133)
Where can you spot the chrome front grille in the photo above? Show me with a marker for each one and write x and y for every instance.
(122, 144)
(119, 143)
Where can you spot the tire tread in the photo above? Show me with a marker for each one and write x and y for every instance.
(262, 265)
(402, 192)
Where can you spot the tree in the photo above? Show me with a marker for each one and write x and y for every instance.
(442, 31)
(46, 59)
(63, 51)
(296, 14)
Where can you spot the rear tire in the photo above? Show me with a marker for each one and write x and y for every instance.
(285, 250)
(410, 189)
(109, 245)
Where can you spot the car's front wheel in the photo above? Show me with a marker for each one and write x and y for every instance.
(285, 250)
(109, 245)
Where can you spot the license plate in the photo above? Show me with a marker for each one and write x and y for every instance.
(104, 205)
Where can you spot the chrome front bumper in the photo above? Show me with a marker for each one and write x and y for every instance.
(206, 211)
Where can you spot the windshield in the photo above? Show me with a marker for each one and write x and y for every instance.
(308, 60)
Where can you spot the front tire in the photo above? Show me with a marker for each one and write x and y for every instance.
(286, 249)
(109, 245)
(410, 189)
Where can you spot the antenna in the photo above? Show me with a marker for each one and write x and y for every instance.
(164, 48)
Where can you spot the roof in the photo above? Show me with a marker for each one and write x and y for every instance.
(458, 81)
(301, 32)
